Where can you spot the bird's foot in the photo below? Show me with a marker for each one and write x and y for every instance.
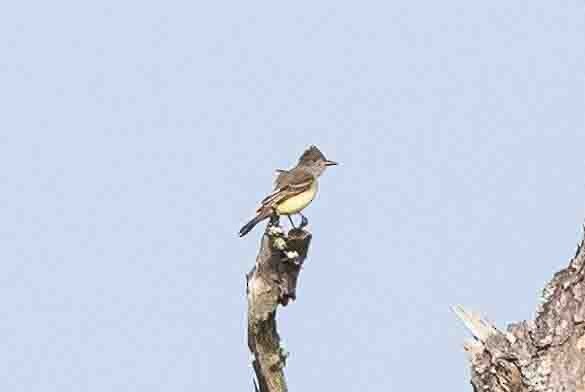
(274, 220)
(304, 221)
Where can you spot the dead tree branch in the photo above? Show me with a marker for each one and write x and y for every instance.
(544, 355)
(271, 282)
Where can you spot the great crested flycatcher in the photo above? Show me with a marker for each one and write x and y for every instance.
(293, 189)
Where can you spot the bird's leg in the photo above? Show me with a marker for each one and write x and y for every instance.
(291, 222)
(304, 221)
(274, 220)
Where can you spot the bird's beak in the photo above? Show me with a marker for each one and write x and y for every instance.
(331, 163)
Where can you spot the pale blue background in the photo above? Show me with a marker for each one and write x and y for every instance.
(137, 137)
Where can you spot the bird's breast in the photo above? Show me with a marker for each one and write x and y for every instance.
(297, 203)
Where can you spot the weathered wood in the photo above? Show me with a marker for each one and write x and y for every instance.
(544, 355)
(271, 282)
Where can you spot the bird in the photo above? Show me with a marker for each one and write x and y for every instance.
(294, 189)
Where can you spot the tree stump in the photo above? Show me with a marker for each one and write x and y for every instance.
(547, 354)
(273, 282)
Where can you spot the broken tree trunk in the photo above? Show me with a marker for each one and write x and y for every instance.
(270, 283)
(547, 354)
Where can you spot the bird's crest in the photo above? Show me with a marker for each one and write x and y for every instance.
(312, 154)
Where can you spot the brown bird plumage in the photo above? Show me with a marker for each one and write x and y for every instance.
(290, 183)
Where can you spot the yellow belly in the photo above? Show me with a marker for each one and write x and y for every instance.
(296, 203)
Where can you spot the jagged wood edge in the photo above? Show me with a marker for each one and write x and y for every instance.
(547, 354)
(272, 282)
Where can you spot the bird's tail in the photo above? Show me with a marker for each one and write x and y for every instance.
(263, 214)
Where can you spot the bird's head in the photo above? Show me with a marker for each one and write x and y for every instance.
(314, 160)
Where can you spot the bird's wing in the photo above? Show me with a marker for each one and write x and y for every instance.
(281, 177)
(288, 184)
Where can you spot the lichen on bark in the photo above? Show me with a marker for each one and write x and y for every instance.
(273, 282)
(544, 355)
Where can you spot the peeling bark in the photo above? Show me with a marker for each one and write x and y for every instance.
(273, 282)
(544, 355)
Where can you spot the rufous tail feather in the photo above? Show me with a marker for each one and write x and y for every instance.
(263, 214)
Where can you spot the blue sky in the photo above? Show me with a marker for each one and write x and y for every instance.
(137, 138)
